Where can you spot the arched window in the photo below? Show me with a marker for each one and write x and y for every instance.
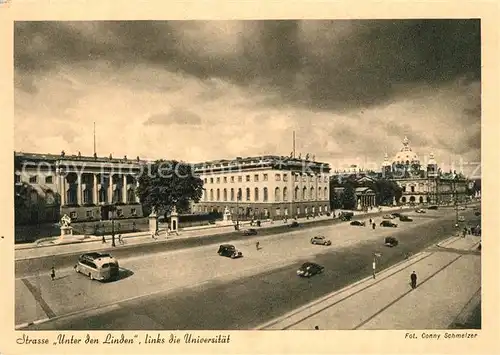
(248, 194)
(225, 194)
(325, 193)
(277, 194)
(311, 194)
(232, 194)
(211, 194)
(285, 194)
(320, 195)
(238, 197)
(296, 194)
(131, 195)
(304, 193)
(218, 194)
(265, 194)
(256, 194)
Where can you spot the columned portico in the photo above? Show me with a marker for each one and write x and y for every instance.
(79, 191)
(124, 188)
(110, 188)
(95, 196)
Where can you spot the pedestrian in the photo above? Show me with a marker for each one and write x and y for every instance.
(413, 279)
(53, 273)
(371, 221)
(120, 239)
(257, 245)
(103, 240)
(373, 225)
(153, 235)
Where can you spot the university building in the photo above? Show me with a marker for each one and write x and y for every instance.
(83, 187)
(264, 187)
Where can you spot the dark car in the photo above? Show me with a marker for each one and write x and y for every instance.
(419, 210)
(346, 216)
(229, 251)
(250, 231)
(404, 218)
(320, 240)
(388, 224)
(358, 223)
(309, 269)
(477, 213)
(396, 214)
(432, 207)
(294, 224)
(391, 242)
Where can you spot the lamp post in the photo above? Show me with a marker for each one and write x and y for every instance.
(112, 210)
(374, 264)
(238, 196)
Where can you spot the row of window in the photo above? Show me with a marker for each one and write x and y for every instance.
(33, 179)
(278, 194)
(277, 177)
(265, 211)
(49, 179)
(90, 213)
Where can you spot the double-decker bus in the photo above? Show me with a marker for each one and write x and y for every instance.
(98, 266)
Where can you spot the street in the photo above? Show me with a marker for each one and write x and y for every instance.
(197, 289)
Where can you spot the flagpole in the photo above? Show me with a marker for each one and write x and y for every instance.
(294, 144)
(94, 140)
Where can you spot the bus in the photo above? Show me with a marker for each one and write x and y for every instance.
(98, 266)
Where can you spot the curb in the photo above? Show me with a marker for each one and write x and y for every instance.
(27, 324)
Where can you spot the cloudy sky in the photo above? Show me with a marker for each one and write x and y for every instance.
(195, 90)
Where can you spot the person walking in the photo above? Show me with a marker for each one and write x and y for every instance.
(413, 279)
(257, 245)
(120, 239)
(52, 273)
(103, 240)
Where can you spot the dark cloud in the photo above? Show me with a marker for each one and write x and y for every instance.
(364, 66)
(177, 116)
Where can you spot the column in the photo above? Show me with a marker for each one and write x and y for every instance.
(62, 189)
(95, 195)
(124, 189)
(110, 188)
(136, 195)
(79, 189)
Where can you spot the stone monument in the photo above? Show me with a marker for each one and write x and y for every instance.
(66, 229)
(174, 221)
(359, 207)
(153, 221)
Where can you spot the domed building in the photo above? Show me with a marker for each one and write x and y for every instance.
(423, 183)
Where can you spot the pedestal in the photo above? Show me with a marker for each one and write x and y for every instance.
(153, 222)
(174, 221)
(66, 232)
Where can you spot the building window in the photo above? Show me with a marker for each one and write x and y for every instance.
(17, 178)
(304, 194)
(404, 188)
(240, 178)
(256, 178)
(48, 179)
(311, 194)
(285, 177)
(296, 193)
(265, 195)
(247, 178)
(73, 215)
(296, 178)
(225, 194)
(225, 179)
(412, 188)
(248, 193)
(33, 179)
(89, 214)
(285, 194)
(278, 177)
(232, 178)
(304, 178)
(325, 194)
(277, 194)
(211, 194)
(320, 195)
(264, 177)
(211, 180)
(238, 197)
(87, 196)
(205, 195)
(218, 195)
(256, 194)
(218, 180)
(232, 194)
(278, 212)
(205, 180)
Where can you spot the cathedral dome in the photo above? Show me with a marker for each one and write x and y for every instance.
(406, 155)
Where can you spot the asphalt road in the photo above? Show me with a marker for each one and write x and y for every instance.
(247, 302)
(36, 265)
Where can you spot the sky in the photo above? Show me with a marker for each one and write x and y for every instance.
(206, 90)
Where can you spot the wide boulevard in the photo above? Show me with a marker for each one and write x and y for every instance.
(195, 288)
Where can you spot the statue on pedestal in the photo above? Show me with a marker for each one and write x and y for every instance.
(65, 223)
(359, 205)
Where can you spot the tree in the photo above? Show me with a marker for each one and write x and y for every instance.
(165, 184)
(348, 197)
(387, 191)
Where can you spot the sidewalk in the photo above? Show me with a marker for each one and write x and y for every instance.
(449, 280)
(34, 250)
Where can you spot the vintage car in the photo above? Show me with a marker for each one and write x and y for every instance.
(388, 224)
(404, 218)
(396, 214)
(388, 216)
(310, 269)
(390, 242)
(229, 251)
(294, 224)
(320, 240)
(346, 216)
(432, 207)
(249, 231)
(358, 223)
(419, 210)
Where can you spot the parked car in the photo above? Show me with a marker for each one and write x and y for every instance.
(390, 242)
(396, 214)
(294, 224)
(477, 213)
(432, 207)
(230, 251)
(346, 216)
(388, 216)
(388, 224)
(461, 218)
(310, 269)
(404, 218)
(358, 223)
(250, 231)
(419, 210)
(461, 208)
(321, 240)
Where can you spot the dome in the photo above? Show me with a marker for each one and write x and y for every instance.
(406, 155)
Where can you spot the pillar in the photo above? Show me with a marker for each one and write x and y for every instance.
(79, 191)
(174, 221)
(136, 195)
(62, 189)
(124, 189)
(110, 188)
(95, 195)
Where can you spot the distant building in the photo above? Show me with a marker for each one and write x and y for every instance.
(264, 187)
(82, 187)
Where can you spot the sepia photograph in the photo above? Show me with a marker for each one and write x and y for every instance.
(178, 180)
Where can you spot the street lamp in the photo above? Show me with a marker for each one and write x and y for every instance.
(112, 209)
(238, 196)
(374, 264)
